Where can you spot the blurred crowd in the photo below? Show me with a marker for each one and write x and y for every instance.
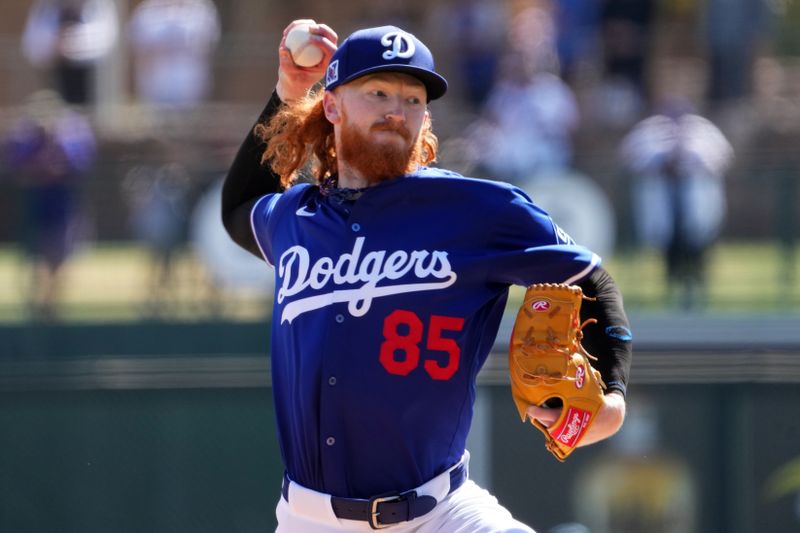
(527, 76)
(528, 113)
(51, 148)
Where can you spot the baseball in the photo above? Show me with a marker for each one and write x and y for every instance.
(304, 52)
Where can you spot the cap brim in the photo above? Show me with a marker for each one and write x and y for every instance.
(435, 85)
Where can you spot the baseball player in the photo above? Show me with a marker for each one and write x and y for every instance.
(391, 280)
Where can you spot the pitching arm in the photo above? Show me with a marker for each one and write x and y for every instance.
(246, 182)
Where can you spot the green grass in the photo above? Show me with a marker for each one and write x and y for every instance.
(741, 277)
(114, 283)
(117, 283)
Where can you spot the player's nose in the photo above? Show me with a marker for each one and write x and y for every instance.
(395, 112)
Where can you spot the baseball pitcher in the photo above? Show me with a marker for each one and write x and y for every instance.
(391, 280)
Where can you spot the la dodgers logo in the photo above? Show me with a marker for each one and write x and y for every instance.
(402, 45)
(374, 272)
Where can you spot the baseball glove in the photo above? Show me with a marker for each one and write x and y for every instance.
(549, 366)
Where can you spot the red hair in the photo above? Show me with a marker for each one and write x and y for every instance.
(300, 137)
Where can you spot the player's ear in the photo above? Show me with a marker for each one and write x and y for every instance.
(331, 106)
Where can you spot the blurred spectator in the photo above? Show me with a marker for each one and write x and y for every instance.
(530, 115)
(733, 29)
(172, 43)
(69, 38)
(626, 29)
(532, 33)
(49, 150)
(475, 31)
(157, 196)
(526, 131)
(577, 23)
(678, 160)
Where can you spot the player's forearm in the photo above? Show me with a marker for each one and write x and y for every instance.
(609, 419)
(610, 339)
(246, 182)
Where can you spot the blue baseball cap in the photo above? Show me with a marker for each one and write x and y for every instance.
(387, 48)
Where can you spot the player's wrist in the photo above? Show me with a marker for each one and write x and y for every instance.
(610, 418)
(286, 91)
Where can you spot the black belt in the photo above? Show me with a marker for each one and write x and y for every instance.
(387, 509)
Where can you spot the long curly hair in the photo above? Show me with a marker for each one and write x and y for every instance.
(300, 138)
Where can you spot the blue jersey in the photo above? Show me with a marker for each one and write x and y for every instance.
(385, 310)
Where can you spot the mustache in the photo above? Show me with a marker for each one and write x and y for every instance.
(389, 126)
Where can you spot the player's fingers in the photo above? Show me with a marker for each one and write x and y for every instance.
(325, 39)
(325, 31)
(545, 415)
(327, 46)
(285, 59)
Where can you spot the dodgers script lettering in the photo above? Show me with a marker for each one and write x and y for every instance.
(371, 273)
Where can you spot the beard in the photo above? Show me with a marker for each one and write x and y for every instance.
(378, 161)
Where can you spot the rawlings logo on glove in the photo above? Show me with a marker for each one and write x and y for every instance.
(548, 363)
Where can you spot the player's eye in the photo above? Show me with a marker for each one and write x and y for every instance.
(379, 93)
(414, 100)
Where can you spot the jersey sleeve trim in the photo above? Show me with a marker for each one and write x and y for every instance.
(271, 199)
(586, 271)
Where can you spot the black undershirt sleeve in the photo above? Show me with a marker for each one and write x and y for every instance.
(610, 339)
(246, 182)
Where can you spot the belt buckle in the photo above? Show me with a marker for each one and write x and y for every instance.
(373, 509)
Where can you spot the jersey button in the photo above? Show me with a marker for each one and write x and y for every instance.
(330, 441)
(332, 381)
(356, 227)
(339, 318)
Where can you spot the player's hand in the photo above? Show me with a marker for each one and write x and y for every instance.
(545, 415)
(293, 81)
(609, 418)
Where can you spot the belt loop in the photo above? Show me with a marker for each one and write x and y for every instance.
(285, 487)
(458, 476)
